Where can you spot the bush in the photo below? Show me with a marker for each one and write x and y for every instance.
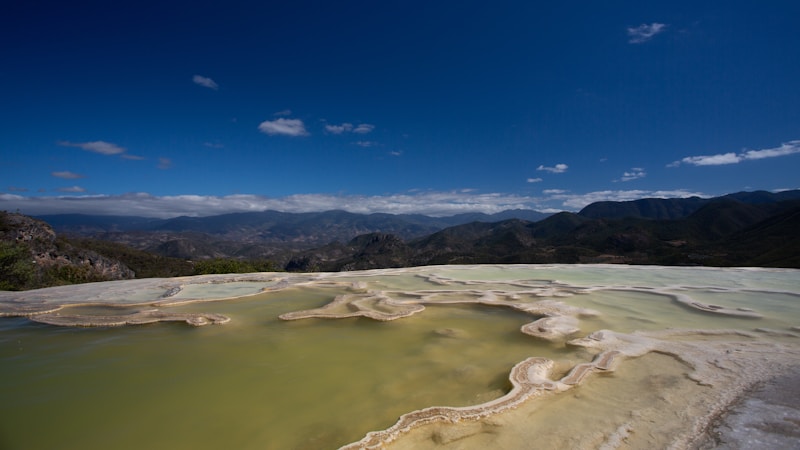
(62, 274)
(17, 269)
(144, 264)
(224, 265)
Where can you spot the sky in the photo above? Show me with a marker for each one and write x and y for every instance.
(172, 108)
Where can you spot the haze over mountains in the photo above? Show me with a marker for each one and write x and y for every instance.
(745, 228)
(247, 234)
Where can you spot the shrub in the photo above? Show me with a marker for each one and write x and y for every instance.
(226, 265)
(17, 269)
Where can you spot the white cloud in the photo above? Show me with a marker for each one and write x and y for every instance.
(788, 148)
(101, 147)
(284, 127)
(434, 203)
(534, 180)
(67, 175)
(363, 128)
(634, 174)
(285, 112)
(366, 144)
(205, 82)
(644, 32)
(558, 168)
(347, 127)
(339, 129)
(73, 189)
(396, 153)
(709, 160)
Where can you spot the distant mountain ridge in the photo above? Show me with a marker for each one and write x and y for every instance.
(751, 229)
(745, 228)
(275, 227)
(677, 208)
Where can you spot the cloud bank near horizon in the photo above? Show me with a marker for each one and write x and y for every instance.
(435, 204)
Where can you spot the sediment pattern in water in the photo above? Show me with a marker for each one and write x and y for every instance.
(727, 347)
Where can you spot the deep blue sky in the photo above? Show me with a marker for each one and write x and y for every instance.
(440, 107)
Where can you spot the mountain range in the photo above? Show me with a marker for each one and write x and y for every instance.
(267, 234)
(746, 228)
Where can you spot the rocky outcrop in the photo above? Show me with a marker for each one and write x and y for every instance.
(27, 230)
(54, 260)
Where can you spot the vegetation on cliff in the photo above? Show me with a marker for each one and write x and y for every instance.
(32, 256)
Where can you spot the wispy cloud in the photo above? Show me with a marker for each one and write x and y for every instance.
(363, 128)
(396, 153)
(558, 168)
(366, 144)
(347, 127)
(644, 32)
(534, 180)
(785, 149)
(101, 147)
(339, 129)
(205, 82)
(67, 175)
(634, 174)
(708, 160)
(72, 189)
(164, 163)
(283, 127)
(285, 112)
(216, 145)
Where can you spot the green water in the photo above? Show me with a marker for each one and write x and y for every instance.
(256, 382)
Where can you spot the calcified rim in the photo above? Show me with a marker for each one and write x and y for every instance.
(44, 305)
(530, 378)
(558, 322)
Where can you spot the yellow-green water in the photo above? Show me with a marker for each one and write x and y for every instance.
(258, 382)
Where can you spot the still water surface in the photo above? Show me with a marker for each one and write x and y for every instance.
(258, 382)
